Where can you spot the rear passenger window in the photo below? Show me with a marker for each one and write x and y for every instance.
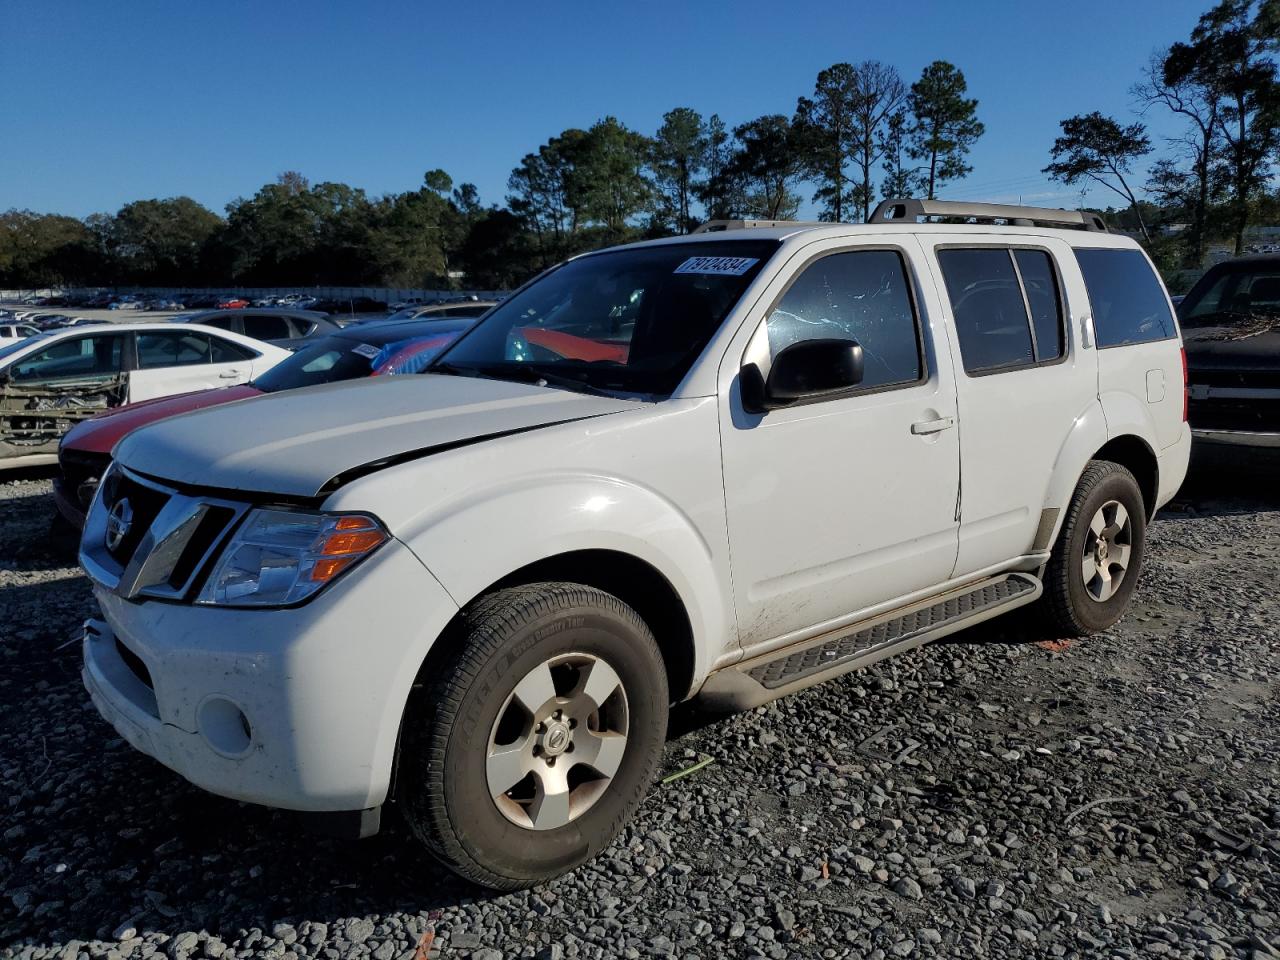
(223, 351)
(861, 295)
(1041, 284)
(267, 328)
(1129, 304)
(990, 316)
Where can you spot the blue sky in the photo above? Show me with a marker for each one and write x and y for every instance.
(102, 103)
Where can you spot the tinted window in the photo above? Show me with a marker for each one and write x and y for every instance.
(222, 323)
(986, 300)
(171, 349)
(79, 357)
(224, 351)
(267, 328)
(860, 296)
(1129, 304)
(1041, 285)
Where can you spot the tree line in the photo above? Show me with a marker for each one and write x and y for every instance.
(861, 134)
(1215, 177)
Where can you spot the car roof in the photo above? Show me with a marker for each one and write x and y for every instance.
(257, 312)
(806, 232)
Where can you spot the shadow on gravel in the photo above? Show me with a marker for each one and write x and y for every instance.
(1221, 482)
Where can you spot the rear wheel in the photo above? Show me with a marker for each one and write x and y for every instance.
(1096, 561)
(528, 749)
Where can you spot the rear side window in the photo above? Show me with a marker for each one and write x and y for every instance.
(1007, 307)
(171, 349)
(224, 351)
(862, 295)
(267, 328)
(1129, 304)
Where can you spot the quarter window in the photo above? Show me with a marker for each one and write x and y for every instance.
(861, 295)
(1129, 304)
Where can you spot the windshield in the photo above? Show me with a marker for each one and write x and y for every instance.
(341, 358)
(22, 345)
(1245, 301)
(630, 320)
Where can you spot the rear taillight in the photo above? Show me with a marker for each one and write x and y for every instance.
(1186, 386)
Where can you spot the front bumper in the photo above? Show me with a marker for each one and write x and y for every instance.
(297, 708)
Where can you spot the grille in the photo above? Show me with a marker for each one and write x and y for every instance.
(172, 537)
(145, 503)
(1256, 379)
(814, 659)
(1216, 413)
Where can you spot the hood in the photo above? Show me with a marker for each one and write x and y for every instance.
(304, 443)
(99, 434)
(1232, 348)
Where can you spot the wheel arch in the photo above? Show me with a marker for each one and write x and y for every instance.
(1135, 455)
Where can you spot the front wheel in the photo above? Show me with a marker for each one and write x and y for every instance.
(1094, 567)
(529, 747)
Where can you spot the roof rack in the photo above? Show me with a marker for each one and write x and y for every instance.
(903, 210)
(716, 226)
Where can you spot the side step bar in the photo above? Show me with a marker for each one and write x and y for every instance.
(780, 672)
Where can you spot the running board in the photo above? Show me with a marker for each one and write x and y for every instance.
(780, 672)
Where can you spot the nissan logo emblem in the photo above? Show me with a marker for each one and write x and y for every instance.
(119, 520)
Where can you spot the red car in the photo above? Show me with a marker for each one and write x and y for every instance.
(235, 303)
(366, 350)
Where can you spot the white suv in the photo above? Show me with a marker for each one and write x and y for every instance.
(728, 466)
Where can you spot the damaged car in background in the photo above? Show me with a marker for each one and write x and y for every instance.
(50, 382)
(1231, 326)
(371, 350)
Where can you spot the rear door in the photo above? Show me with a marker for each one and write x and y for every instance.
(1022, 380)
(181, 361)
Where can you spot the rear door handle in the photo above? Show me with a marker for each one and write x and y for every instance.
(228, 374)
(921, 427)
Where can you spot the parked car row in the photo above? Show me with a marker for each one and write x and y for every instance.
(725, 466)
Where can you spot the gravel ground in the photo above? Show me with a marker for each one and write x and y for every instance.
(988, 796)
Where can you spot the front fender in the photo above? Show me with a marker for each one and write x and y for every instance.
(480, 541)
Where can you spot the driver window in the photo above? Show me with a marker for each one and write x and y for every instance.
(861, 295)
(79, 357)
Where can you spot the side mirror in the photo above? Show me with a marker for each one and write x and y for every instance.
(804, 370)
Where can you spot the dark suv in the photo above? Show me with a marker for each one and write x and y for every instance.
(1231, 327)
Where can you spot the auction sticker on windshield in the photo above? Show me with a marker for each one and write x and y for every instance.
(721, 266)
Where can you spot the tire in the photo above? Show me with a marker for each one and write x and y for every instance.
(1073, 606)
(471, 714)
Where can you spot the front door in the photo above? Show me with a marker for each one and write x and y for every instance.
(840, 505)
(46, 392)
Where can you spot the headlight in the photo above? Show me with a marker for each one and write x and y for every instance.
(279, 557)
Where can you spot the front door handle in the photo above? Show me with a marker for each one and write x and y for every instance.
(922, 427)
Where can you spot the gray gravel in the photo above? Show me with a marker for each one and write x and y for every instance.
(988, 796)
